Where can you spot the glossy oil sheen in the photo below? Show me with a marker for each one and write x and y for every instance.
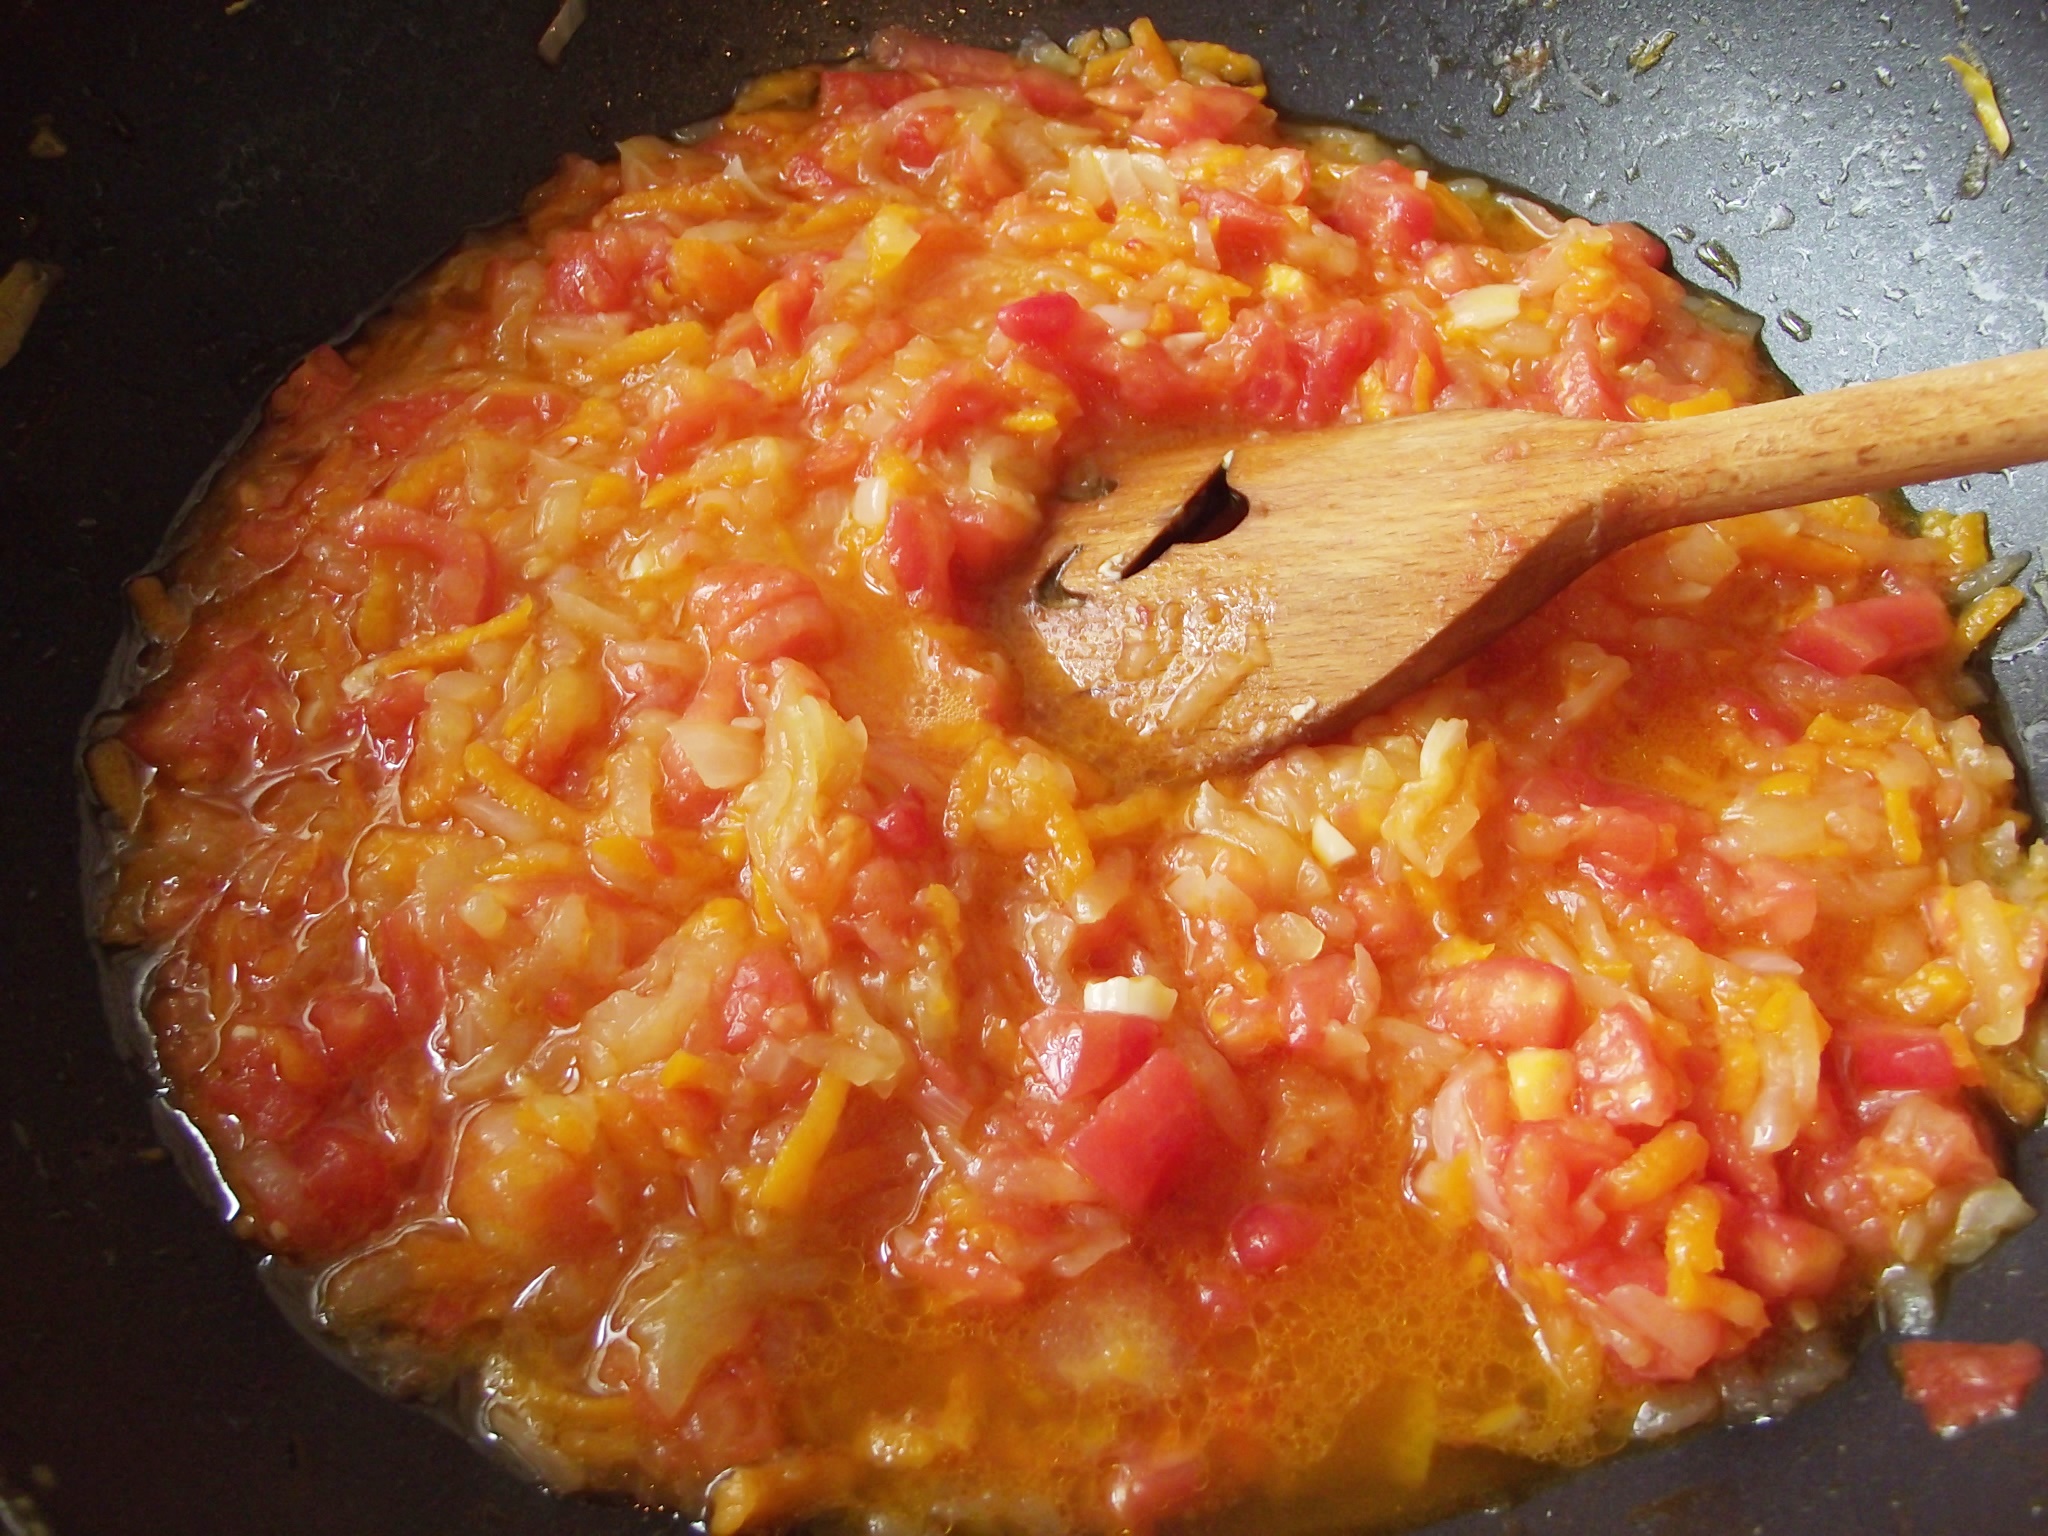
(240, 187)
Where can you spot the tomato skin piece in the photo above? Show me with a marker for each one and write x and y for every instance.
(1900, 1058)
(1874, 634)
(1273, 1234)
(1506, 1001)
(1082, 1052)
(1141, 1135)
(1957, 1385)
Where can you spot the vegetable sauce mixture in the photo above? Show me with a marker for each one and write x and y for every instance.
(600, 904)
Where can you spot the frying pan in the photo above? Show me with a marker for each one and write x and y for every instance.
(241, 183)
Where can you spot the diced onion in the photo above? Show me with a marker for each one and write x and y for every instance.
(1287, 938)
(1331, 847)
(724, 756)
(1485, 308)
(871, 502)
(1146, 996)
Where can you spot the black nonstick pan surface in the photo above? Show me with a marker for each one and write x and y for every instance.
(241, 183)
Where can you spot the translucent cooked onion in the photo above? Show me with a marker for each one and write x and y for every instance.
(1667, 1409)
(1768, 1386)
(571, 16)
(1986, 1214)
(1906, 1303)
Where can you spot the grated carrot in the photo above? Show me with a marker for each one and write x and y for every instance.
(788, 1180)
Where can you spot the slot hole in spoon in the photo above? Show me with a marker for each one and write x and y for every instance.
(1214, 510)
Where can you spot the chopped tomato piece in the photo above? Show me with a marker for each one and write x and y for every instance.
(864, 90)
(396, 426)
(230, 713)
(918, 542)
(1273, 1234)
(758, 612)
(1506, 1001)
(766, 995)
(1149, 1489)
(904, 827)
(348, 1185)
(526, 410)
(321, 381)
(1779, 1255)
(1900, 1058)
(958, 64)
(355, 1027)
(1247, 233)
(1621, 1079)
(591, 274)
(1082, 1052)
(1873, 635)
(1382, 208)
(735, 1415)
(805, 175)
(1183, 113)
(1957, 1385)
(1045, 320)
(953, 402)
(1547, 1170)
(713, 407)
(461, 557)
(1141, 1136)
(1582, 383)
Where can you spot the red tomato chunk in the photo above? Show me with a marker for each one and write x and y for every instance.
(1087, 1052)
(1506, 1001)
(1957, 1385)
(1876, 634)
(1140, 1138)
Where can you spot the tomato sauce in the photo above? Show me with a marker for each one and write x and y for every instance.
(600, 903)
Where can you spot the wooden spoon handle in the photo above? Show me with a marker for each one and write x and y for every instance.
(1868, 437)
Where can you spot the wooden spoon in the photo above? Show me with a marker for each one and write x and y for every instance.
(1226, 598)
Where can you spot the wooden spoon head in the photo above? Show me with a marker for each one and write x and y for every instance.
(1366, 561)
